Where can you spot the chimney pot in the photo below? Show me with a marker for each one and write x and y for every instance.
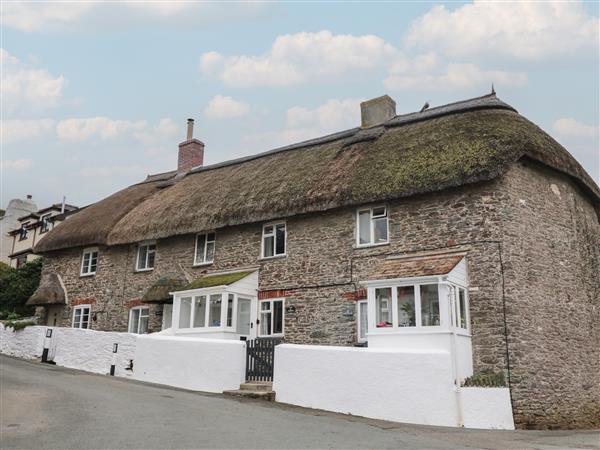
(29, 196)
(377, 111)
(190, 129)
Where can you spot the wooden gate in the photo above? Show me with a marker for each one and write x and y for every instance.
(260, 356)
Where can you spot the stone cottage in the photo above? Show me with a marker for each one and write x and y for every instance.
(465, 220)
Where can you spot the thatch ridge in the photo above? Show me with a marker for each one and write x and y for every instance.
(223, 279)
(49, 292)
(160, 291)
(445, 147)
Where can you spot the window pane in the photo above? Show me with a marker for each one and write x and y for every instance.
(243, 316)
(214, 317)
(151, 254)
(364, 322)
(200, 243)
(268, 230)
(210, 251)
(200, 311)
(86, 263)
(265, 323)
(229, 310)
(280, 239)
(210, 237)
(85, 317)
(143, 325)
(77, 318)
(278, 317)
(268, 246)
(462, 304)
(406, 306)
(430, 305)
(134, 320)
(142, 257)
(185, 312)
(379, 212)
(364, 227)
(383, 307)
(380, 232)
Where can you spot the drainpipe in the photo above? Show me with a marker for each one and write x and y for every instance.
(455, 363)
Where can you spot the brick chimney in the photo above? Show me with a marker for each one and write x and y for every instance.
(377, 111)
(191, 151)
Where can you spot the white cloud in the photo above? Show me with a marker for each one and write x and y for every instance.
(454, 76)
(28, 16)
(221, 107)
(305, 123)
(16, 130)
(16, 165)
(301, 57)
(525, 30)
(569, 127)
(162, 133)
(133, 170)
(24, 88)
(83, 129)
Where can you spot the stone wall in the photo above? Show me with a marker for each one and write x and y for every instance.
(551, 256)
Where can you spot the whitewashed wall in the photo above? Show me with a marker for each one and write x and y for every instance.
(210, 365)
(487, 408)
(27, 343)
(92, 351)
(410, 386)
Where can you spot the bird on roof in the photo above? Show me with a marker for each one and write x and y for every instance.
(425, 106)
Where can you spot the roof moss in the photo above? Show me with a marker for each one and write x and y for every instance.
(215, 280)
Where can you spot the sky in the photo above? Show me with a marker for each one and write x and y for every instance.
(95, 96)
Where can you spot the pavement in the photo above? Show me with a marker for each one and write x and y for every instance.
(44, 406)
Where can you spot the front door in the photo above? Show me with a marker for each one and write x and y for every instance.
(53, 315)
(245, 327)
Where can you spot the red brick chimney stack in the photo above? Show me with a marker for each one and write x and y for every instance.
(191, 151)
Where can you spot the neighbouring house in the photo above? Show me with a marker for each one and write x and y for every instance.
(32, 227)
(10, 220)
(462, 227)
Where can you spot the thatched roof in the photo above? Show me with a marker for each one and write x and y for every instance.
(159, 292)
(224, 279)
(49, 292)
(415, 267)
(440, 148)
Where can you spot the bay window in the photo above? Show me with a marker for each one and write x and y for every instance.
(372, 226)
(273, 240)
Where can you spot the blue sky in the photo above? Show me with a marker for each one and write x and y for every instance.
(95, 95)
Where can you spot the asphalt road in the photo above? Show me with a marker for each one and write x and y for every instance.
(45, 406)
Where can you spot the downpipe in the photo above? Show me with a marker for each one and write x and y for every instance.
(457, 388)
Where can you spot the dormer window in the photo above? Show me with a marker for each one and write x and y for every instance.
(372, 226)
(89, 261)
(145, 256)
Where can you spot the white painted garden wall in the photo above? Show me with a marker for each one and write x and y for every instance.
(92, 351)
(199, 364)
(487, 408)
(410, 386)
(27, 343)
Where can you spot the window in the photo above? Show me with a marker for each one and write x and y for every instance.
(430, 305)
(138, 320)
(406, 306)
(199, 311)
(205, 248)
(81, 316)
(383, 307)
(462, 309)
(214, 310)
(372, 224)
(145, 256)
(362, 320)
(273, 240)
(89, 261)
(185, 312)
(21, 259)
(271, 317)
(23, 231)
(45, 223)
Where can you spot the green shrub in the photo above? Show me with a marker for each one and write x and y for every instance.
(16, 286)
(485, 378)
(17, 325)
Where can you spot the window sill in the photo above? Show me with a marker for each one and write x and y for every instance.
(266, 336)
(208, 263)
(267, 258)
(85, 275)
(357, 246)
(143, 270)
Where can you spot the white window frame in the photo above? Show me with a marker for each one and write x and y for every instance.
(87, 271)
(372, 227)
(359, 319)
(137, 256)
(140, 309)
(82, 307)
(456, 309)
(274, 234)
(204, 261)
(271, 310)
